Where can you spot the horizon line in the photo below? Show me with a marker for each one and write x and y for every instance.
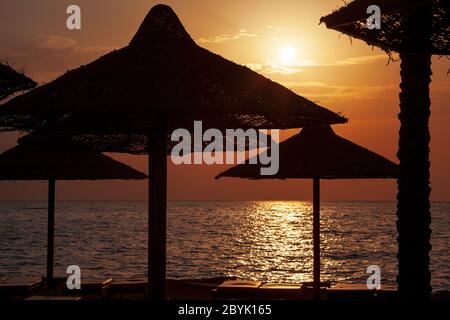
(205, 200)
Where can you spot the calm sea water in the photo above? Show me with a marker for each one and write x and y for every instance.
(257, 240)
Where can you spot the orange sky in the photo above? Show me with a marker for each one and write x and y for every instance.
(326, 68)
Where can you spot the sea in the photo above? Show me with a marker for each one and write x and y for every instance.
(262, 240)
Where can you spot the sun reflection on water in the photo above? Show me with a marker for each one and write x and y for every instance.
(275, 237)
(263, 240)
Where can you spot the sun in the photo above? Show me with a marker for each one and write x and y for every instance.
(287, 55)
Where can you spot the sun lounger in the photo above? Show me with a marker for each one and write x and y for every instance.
(440, 295)
(90, 289)
(55, 286)
(191, 289)
(279, 291)
(53, 298)
(359, 292)
(388, 292)
(237, 289)
(126, 289)
(13, 289)
(310, 284)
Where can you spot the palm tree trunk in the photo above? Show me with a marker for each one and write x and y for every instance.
(413, 209)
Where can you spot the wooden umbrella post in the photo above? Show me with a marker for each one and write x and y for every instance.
(316, 236)
(50, 230)
(157, 209)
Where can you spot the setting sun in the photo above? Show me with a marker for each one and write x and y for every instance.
(287, 55)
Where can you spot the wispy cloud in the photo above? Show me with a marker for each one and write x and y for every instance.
(55, 43)
(280, 28)
(274, 67)
(58, 43)
(47, 56)
(358, 60)
(7, 53)
(328, 92)
(243, 33)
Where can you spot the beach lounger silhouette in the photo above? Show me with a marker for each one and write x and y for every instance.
(16, 289)
(346, 291)
(236, 289)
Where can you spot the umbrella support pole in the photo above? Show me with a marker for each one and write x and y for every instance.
(316, 237)
(157, 209)
(50, 231)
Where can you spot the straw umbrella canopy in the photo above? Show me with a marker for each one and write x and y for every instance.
(161, 81)
(417, 29)
(12, 81)
(138, 144)
(430, 36)
(162, 72)
(318, 153)
(62, 160)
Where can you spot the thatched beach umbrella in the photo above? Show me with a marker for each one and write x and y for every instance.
(417, 29)
(161, 81)
(12, 81)
(63, 160)
(318, 153)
